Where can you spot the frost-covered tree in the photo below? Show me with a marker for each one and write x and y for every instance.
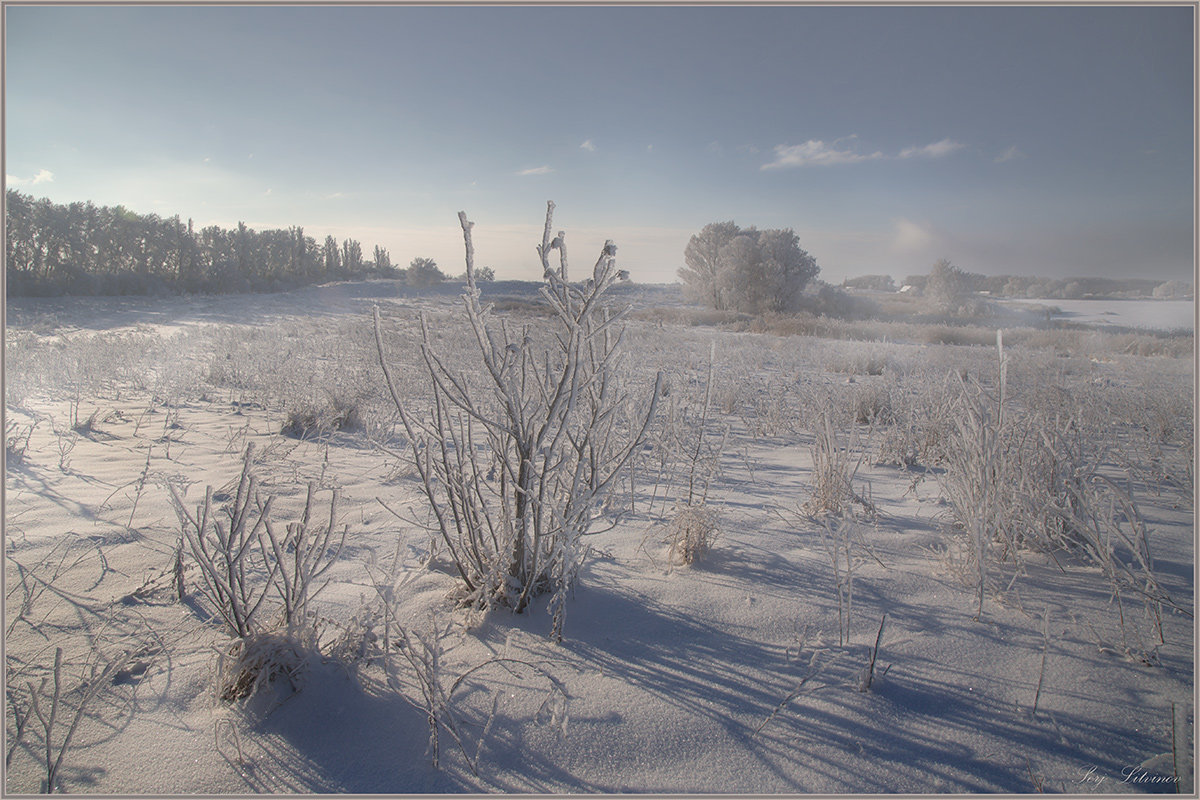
(482, 275)
(946, 285)
(747, 270)
(740, 279)
(352, 260)
(1174, 289)
(383, 261)
(703, 258)
(332, 257)
(784, 270)
(423, 273)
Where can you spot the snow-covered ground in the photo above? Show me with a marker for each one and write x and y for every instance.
(743, 673)
(1156, 314)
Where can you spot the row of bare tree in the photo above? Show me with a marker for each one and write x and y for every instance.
(82, 248)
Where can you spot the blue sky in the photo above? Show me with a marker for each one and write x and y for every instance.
(1027, 140)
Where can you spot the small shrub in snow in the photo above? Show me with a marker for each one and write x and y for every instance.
(693, 531)
(980, 469)
(242, 562)
(16, 442)
(338, 413)
(871, 404)
(421, 660)
(229, 552)
(834, 469)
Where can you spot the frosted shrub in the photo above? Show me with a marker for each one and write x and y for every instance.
(693, 527)
(337, 412)
(979, 470)
(516, 466)
(58, 711)
(834, 470)
(693, 532)
(871, 404)
(16, 442)
(918, 424)
(243, 561)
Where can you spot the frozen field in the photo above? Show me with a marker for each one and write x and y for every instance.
(1033, 555)
(1158, 314)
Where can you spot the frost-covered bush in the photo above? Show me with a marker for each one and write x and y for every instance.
(835, 466)
(871, 404)
(338, 411)
(1026, 471)
(692, 533)
(244, 561)
(516, 463)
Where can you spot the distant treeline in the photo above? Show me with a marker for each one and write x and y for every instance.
(84, 249)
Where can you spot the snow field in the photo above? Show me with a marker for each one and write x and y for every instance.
(725, 676)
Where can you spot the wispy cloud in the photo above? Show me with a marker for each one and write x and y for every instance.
(588, 145)
(542, 170)
(816, 153)
(1010, 154)
(936, 150)
(42, 176)
(335, 196)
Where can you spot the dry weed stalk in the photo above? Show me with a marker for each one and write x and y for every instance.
(37, 579)
(52, 692)
(839, 549)
(868, 676)
(693, 528)
(424, 655)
